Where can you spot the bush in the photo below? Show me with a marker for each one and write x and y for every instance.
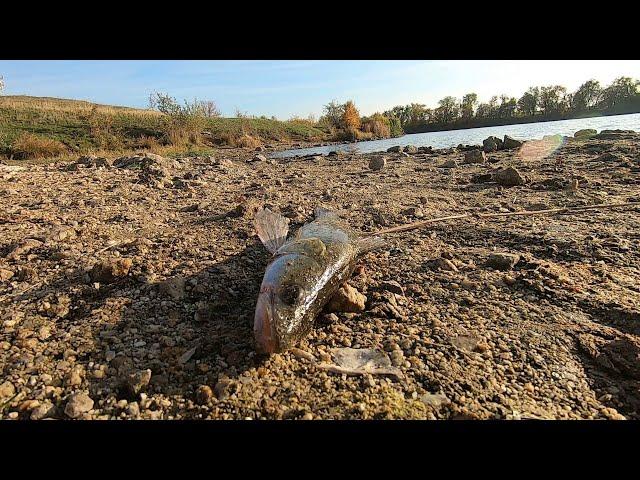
(29, 145)
(182, 124)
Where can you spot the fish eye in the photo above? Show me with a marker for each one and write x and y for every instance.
(291, 294)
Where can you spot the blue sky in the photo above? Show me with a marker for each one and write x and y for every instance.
(287, 88)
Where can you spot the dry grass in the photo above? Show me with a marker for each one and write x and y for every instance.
(29, 145)
(69, 106)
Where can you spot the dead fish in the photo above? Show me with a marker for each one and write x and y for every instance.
(303, 275)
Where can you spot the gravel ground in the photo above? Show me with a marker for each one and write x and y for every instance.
(127, 288)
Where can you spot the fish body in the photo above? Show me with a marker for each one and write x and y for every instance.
(303, 275)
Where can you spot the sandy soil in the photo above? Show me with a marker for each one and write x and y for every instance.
(128, 291)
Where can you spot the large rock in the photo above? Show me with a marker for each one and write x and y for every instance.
(475, 156)
(489, 144)
(508, 177)
(615, 134)
(377, 163)
(585, 132)
(410, 149)
(509, 143)
(395, 149)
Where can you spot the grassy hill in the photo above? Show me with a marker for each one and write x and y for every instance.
(32, 127)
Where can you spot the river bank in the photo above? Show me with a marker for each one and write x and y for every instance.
(128, 286)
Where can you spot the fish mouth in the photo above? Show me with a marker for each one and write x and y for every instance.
(264, 325)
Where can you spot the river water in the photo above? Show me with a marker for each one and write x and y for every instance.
(475, 136)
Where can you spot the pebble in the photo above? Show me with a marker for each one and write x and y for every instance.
(137, 382)
(347, 299)
(204, 394)
(503, 261)
(435, 400)
(78, 404)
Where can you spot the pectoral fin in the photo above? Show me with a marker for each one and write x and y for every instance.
(272, 228)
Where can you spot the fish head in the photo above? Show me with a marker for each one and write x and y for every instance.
(283, 310)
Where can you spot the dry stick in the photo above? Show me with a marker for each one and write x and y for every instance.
(424, 223)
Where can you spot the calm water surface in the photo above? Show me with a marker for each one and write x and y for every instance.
(475, 136)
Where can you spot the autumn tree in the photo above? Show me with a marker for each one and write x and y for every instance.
(350, 117)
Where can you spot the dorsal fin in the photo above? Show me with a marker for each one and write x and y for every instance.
(272, 228)
(321, 212)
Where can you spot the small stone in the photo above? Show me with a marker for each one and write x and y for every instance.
(46, 410)
(78, 404)
(5, 274)
(173, 287)
(445, 264)
(133, 409)
(503, 261)
(435, 400)
(347, 299)
(475, 156)
(259, 158)
(73, 378)
(394, 149)
(110, 270)
(392, 286)
(222, 388)
(508, 177)
(307, 416)
(204, 394)
(377, 163)
(451, 163)
(7, 390)
(137, 382)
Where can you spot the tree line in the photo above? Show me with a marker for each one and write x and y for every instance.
(536, 104)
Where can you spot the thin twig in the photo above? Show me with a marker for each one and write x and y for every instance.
(424, 223)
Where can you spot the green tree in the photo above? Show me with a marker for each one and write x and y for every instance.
(333, 112)
(553, 99)
(587, 96)
(529, 102)
(622, 90)
(468, 106)
(448, 110)
(507, 107)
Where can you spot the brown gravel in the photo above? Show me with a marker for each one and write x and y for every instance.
(128, 292)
